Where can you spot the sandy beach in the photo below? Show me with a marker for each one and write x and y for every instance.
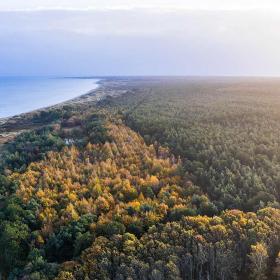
(12, 126)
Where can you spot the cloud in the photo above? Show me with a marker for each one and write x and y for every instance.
(139, 41)
(28, 5)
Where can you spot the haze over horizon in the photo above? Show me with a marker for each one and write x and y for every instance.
(193, 38)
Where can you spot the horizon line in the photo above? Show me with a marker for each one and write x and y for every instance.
(139, 76)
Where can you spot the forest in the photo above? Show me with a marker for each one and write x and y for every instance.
(172, 178)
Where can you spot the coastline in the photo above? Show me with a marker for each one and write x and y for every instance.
(89, 95)
(49, 92)
(7, 132)
(10, 127)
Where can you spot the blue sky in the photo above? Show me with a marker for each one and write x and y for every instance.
(156, 37)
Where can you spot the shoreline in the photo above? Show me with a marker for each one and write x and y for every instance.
(11, 127)
(8, 132)
(97, 84)
(90, 96)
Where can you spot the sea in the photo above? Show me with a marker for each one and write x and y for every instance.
(24, 94)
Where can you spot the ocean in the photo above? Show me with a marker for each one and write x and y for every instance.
(21, 95)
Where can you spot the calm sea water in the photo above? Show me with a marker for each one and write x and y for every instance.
(20, 95)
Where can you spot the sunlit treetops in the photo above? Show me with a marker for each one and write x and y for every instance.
(123, 180)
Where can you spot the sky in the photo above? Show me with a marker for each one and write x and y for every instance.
(139, 37)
